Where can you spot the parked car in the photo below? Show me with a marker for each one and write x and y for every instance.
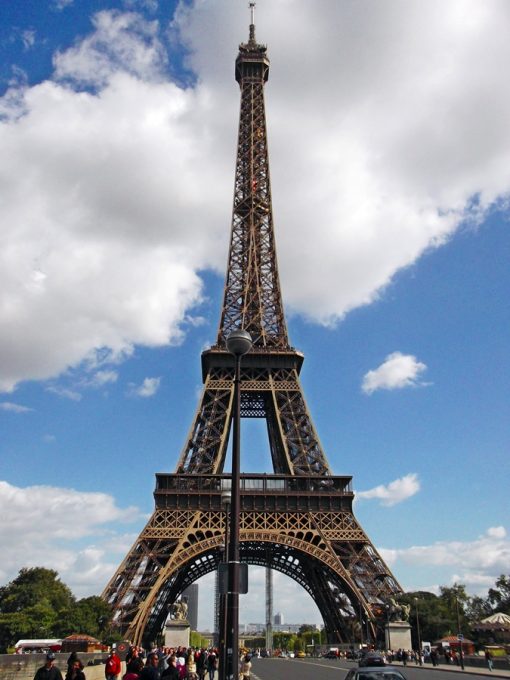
(300, 655)
(330, 655)
(375, 673)
(372, 659)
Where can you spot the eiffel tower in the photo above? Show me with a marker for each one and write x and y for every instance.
(298, 520)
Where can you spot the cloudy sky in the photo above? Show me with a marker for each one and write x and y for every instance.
(390, 166)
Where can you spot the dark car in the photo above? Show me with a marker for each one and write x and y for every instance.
(330, 655)
(375, 673)
(372, 659)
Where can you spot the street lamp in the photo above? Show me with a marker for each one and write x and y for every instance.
(460, 636)
(239, 342)
(387, 607)
(418, 630)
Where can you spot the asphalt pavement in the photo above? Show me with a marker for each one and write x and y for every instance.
(332, 669)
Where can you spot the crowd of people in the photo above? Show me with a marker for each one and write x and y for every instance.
(180, 663)
(162, 663)
(52, 672)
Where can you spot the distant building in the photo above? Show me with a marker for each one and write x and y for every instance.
(287, 627)
(191, 597)
(255, 627)
(278, 619)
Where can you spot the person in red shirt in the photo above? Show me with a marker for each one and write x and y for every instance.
(112, 667)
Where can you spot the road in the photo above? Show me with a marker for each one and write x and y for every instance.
(332, 669)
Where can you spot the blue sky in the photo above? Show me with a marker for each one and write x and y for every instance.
(390, 157)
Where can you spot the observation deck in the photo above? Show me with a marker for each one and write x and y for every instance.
(259, 492)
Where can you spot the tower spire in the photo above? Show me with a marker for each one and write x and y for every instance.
(252, 22)
(252, 298)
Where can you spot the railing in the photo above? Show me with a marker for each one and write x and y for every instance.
(260, 483)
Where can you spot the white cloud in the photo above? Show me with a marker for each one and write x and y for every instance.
(64, 392)
(120, 42)
(476, 563)
(398, 371)
(395, 492)
(14, 408)
(61, 4)
(65, 513)
(28, 38)
(403, 123)
(46, 526)
(148, 388)
(496, 532)
(102, 378)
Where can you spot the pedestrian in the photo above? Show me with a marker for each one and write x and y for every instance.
(171, 672)
(191, 667)
(133, 668)
(212, 664)
(49, 671)
(73, 657)
(433, 656)
(201, 664)
(245, 667)
(112, 666)
(150, 670)
(75, 671)
(488, 658)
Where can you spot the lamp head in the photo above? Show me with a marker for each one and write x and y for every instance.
(226, 497)
(239, 342)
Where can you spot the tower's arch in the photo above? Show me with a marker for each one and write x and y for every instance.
(324, 551)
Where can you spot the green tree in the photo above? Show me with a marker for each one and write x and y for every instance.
(307, 628)
(499, 597)
(31, 605)
(433, 617)
(32, 586)
(90, 615)
(478, 608)
(197, 640)
(281, 640)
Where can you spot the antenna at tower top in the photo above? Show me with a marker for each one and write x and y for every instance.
(252, 21)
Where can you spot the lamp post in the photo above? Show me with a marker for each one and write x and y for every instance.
(387, 607)
(226, 497)
(418, 630)
(239, 342)
(460, 636)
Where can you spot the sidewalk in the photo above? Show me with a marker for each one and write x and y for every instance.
(451, 668)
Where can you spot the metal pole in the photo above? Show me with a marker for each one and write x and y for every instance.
(222, 672)
(418, 630)
(459, 636)
(233, 548)
(239, 342)
(388, 625)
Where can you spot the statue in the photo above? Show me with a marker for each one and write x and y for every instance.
(398, 612)
(179, 610)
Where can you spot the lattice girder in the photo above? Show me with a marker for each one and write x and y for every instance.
(265, 393)
(252, 297)
(175, 542)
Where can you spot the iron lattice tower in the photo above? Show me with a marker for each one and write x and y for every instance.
(298, 520)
